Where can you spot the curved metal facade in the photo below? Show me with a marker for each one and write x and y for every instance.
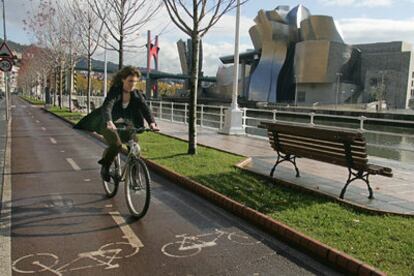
(274, 35)
(320, 27)
(295, 48)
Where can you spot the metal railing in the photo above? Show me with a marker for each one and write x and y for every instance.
(213, 116)
(251, 121)
(208, 116)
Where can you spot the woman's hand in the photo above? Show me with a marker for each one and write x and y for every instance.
(154, 127)
(110, 125)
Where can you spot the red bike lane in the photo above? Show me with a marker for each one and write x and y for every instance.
(62, 223)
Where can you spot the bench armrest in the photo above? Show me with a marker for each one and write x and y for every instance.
(376, 169)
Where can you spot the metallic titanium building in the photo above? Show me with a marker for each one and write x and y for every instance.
(302, 58)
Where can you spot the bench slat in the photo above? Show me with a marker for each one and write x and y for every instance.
(321, 151)
(359, 150)
(327, 149)
(324, 133)
(357, 144)
(323, 157)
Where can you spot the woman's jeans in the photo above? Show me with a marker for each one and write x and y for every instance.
(114, 141)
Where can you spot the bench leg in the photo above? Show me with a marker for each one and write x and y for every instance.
(296, 167)
(281, 158)
(358, 175)
(274, 167)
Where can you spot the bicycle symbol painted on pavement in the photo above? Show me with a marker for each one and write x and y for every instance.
(192, 245)
(106, 256)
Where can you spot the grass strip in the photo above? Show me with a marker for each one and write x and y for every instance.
(65, 113)
(383, 241)
(33, 100)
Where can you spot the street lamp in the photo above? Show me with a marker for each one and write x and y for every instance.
(296, 90)
(381, 90)
(234, 104)
(233, 123)
(6, 79)
(338, 82)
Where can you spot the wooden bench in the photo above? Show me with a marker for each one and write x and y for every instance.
(345, 148)
(77, 105)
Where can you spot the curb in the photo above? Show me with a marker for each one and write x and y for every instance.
(322, 252)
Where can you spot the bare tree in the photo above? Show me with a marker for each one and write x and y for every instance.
(196, 19)
(54, 31)
(122, 19)
(41, 24)
(89, 29)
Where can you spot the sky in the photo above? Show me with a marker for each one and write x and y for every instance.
(358, 21)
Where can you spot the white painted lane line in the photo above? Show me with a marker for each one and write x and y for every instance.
(53, 140)
(128, 233)
(43, 128)
(73, 164)
(108, 206)
(37, 121)
(5, 212)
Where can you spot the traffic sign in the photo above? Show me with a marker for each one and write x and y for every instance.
(5, 51)
(6, 65)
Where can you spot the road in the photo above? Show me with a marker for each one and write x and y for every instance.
(62, 224)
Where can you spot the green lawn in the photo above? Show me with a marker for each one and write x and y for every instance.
(385, 242)
(33, 100)
(64, 112)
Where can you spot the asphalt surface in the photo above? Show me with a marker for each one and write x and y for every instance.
(3, 131)
(62, 224)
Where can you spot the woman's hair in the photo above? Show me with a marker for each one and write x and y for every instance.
(123, 74)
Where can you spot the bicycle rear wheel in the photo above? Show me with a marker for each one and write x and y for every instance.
(137, 188)
(111, 186)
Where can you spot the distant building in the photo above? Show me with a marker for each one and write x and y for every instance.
(394, 61)
(303, 59)
(12, 79)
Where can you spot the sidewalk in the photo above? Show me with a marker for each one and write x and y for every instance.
(3, 132)
(391, 194)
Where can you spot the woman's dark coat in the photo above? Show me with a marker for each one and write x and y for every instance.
(111, 110)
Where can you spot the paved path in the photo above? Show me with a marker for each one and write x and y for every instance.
(61, 223)
(391, 194)
(3, 132)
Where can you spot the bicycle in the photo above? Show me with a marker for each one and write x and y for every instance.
(134, 174)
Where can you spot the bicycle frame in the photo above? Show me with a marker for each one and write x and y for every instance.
(122, 172)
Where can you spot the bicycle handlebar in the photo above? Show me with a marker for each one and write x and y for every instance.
(138, 130)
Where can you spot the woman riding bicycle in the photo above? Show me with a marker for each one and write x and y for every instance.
(124, 105)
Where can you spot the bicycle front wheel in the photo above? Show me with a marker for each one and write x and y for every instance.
(137, 188)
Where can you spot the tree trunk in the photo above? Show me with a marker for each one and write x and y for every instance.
(89, 84)
(56, 87)
(60, 85)
(44, 84)
(192, 124)
(121, 52)
(70, 78)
